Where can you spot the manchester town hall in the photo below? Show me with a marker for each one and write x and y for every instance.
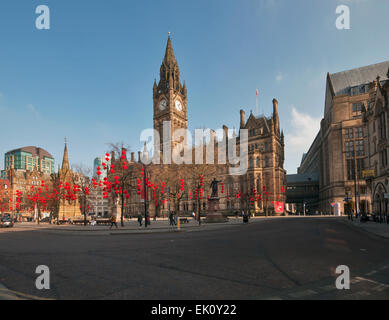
(259, 189)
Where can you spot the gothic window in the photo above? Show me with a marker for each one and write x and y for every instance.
(258, 162)
(382, 126)
(266, 162)
(384, 158)
(349, 149)
(251, 163)
(359, 147)
(359, 132)
(350, 169)
(348, 134)
(357, 107)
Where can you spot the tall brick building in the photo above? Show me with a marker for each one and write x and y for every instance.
(25, 168)
(375, 119)
(338, 153)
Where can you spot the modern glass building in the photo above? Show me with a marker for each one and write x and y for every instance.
(28, 159)
(99, 163)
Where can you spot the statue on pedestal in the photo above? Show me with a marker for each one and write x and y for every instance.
(214, 186)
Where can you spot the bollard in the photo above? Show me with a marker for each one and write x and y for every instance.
(178, 224)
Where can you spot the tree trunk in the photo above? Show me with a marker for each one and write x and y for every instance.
(122, 213)
(39, 214)
(84, 211)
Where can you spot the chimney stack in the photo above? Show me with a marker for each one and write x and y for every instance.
(275, 106)
(242, 118)
(225, 129)
(132, 157)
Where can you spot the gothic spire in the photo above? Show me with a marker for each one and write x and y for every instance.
(65, 160)
(169, 59)
(169, 72)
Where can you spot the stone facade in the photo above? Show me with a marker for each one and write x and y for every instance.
(4, 196)
(265, 158)
(339, 153)
(375, 119)
(68, 208)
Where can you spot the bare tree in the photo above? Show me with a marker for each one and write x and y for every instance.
(121, 177)
(81, 188)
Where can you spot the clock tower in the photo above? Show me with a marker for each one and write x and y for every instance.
(170, 100)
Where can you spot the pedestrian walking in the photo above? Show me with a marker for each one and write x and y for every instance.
(245, 218)
(199, 218)
(140, 220)
(113, 222)
(170, 219)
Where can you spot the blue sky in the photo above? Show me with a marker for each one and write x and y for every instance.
(90, 76)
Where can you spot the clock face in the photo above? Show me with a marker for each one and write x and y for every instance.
(178, 105)
(163, 104)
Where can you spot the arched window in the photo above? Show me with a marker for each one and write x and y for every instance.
(266, 162)
(258, 162)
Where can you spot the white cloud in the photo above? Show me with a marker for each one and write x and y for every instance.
(33, 110)
(279, 77)
(299, 139)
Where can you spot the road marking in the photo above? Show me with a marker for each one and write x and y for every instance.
(355, 280)
(371, 273)
(303, 294)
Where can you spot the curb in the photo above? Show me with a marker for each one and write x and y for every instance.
(363, 230)
(107, 232)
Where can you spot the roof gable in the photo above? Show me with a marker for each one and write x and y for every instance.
(342, 82)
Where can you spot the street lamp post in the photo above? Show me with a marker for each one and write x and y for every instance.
(355, 183)
(145, 193)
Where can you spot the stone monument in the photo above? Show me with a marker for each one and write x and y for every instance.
(213, 215)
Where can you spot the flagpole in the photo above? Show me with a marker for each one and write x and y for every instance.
(257, 105)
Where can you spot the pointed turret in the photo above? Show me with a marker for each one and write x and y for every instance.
(155, 87)
(65, 160)
(169, 59)
(184, 90)
(170, 72)
(145, 153)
